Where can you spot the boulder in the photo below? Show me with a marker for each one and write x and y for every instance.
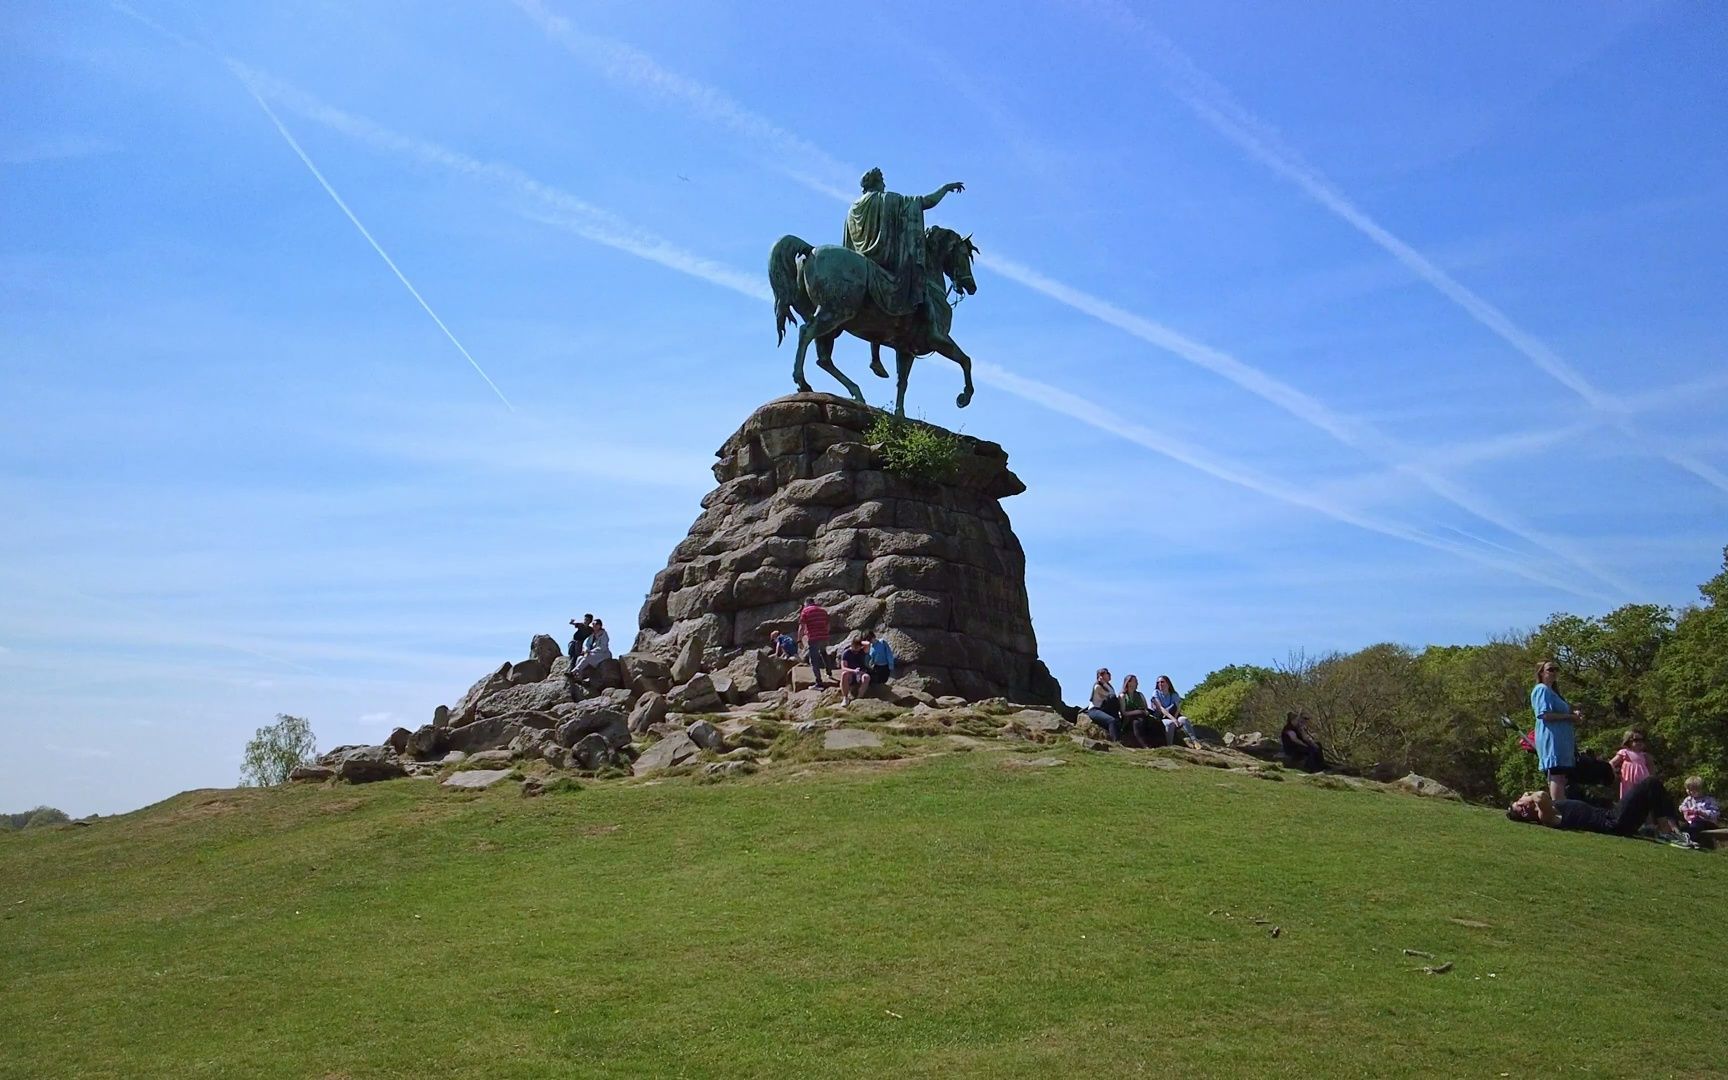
(592, 753)
(467, 707)
(670, 752)
(528, 697)
(427, 743)
(492, 734)
(689, 660)
(530, 670)
(725, 689)
(696, 695)
(544, 648)
(311, 774)
(532, 743)
(475, 779)
(872, 709)
(704, 734)
(650, 710)
(609, 724)
(1040, 721)
(368, 764)
(441, 716)
(491, 757)
(398, 740)
(454, 757)
(1420, 785)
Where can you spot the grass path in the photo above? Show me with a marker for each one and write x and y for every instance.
(954, 916)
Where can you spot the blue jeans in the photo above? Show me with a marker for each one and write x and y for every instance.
(819, 658)
(1107, 722)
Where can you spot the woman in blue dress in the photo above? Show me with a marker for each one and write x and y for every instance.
(1555, 740)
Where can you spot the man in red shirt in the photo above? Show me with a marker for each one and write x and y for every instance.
(813, 628)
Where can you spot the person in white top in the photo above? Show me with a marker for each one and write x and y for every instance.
(595, 651)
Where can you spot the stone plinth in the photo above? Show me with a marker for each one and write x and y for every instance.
(805, 508)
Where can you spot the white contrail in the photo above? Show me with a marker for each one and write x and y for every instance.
(1209, 100)
(240, 72)
(632, 66)
(554, 206)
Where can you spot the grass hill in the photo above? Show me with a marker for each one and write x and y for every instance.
(957, 914)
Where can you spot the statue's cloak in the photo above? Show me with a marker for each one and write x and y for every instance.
(888, 229)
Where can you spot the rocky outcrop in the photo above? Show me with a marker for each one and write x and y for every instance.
(803, 508)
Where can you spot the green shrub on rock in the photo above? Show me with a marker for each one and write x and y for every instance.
(914, 448)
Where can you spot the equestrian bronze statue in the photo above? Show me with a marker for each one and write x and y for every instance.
(888, 284)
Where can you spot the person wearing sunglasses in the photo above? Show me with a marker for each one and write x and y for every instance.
(1556, 737)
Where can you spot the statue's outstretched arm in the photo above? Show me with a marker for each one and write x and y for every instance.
(935, 197)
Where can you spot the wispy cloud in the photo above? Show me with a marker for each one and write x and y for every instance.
(1214, 104)
(46, 148)
(791, 154)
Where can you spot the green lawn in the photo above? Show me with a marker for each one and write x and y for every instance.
(949, 916)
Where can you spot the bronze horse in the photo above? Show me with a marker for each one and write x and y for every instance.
(830, 286)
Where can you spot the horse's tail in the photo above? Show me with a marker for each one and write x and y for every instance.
(783, 279)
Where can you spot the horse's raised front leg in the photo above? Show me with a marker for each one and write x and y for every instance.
(947, 347)
(825, 361)
(903, 366)
(876, 361)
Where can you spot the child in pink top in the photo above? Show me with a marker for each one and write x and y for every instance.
(1632, 763)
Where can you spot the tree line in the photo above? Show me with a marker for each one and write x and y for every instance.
(33, 819)
(1437, 711)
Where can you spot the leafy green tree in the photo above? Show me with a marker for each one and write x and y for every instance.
(1218, 699)
(1690, 689)
(276, 749)
(1218, 705)
(30, 819)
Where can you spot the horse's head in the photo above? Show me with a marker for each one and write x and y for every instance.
(953, 253)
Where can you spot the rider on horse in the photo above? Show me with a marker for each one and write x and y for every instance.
(888, 229)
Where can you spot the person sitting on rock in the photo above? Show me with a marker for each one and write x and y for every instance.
(854, 670)
(1106, 710)
(1698, 812)
(783, 645)
(1300, 746)
(1167, 704)
(595, 651)
(1647, 799)
(881, 659)
(813, 628)
(1137, 715)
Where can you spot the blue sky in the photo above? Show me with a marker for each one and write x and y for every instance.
(1308, 326)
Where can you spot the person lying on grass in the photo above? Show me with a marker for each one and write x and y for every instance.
(1646, 799)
